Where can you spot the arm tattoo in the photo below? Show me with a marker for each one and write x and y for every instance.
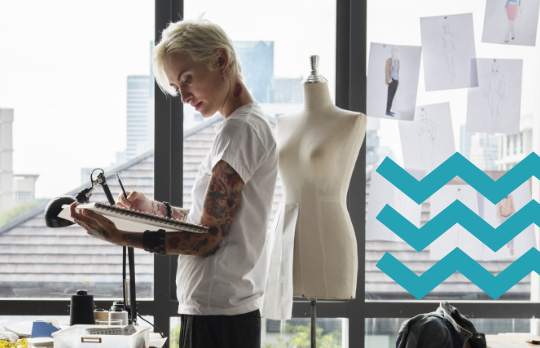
(104, 234)
(180, 213)
(219, 208)
(133, 239)
(160, 209)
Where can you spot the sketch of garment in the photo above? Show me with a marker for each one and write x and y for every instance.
(505, 209)
(495, 90)
(396, 199)
(448, 49)
(426, 131)
(391, 76)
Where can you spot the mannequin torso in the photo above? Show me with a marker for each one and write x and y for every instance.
(318, 147)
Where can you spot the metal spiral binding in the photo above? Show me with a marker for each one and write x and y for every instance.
(183, 226)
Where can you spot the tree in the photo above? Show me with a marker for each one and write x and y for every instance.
(16, 211)
(302, 339)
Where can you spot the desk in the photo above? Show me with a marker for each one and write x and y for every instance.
(510, 341)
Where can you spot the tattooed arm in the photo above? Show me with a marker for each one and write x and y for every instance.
(220, 205)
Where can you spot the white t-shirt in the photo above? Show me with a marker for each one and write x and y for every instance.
(231, 281)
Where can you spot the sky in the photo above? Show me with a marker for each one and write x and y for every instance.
(65, 64)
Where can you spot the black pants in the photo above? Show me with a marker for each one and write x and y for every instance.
(392, 88)
(221, 331)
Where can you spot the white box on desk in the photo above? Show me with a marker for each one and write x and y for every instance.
(77, 337)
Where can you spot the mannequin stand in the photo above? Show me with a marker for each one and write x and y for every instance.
(313, 323)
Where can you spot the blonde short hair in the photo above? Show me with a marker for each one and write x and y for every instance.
(200, 39)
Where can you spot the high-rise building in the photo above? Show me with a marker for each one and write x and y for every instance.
(6, 158)
(515, 147)
(480, 148)
(14, 188)
(257, 60)
(24, 187)
(139, 117)
(484, 151)
(465, 142)
(288, 90)
(140, 112)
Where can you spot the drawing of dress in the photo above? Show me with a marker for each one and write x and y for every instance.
(495, 90)
(505, 209)
(448, 49)
(426, 131)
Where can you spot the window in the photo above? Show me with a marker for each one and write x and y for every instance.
(483, 151)
(331, 332)
(87, 85)
(382, 332)
(274, 58)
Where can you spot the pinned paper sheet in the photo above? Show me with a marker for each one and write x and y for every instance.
(276, 303)
(392, 81)
(496, 214)
(495, 106)
(381, 193)
(448, 51)
(511, 22)
(456, 236)
(427, 141)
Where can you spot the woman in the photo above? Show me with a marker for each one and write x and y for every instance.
(221, 274)
(511, 13)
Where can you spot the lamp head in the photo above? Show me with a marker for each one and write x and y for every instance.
(54, 208)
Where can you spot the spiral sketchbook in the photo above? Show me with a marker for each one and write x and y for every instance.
(134, 221)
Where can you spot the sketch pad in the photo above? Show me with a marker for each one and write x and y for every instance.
(134, 221)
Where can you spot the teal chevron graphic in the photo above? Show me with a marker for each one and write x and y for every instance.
(457, 260)
(457, 165)
(457, 212)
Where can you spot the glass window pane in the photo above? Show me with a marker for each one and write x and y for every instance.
(296, 332)
(274, 62)
(492, 153)
(274, 58)
(74, 96)
(382, 332)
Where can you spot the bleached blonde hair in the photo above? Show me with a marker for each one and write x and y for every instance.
(199, 38)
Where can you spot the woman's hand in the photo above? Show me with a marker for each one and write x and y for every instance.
(96, 225)
(135, 200)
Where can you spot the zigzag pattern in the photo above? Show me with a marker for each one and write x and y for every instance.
(457, 260)
(457, 165)
(457, 212)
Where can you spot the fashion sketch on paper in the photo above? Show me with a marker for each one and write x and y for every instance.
(512, 7)
(448, 49)
(391, 79)
(427, 130)
(505, 209)
(396, 199)
(494, 92)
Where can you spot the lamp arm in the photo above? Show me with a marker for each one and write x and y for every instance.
(132, 310)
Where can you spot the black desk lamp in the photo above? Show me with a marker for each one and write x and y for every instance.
(52, 220)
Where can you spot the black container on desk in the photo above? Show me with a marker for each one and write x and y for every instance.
(81, 310)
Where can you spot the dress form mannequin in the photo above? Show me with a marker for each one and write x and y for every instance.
(318, 147)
